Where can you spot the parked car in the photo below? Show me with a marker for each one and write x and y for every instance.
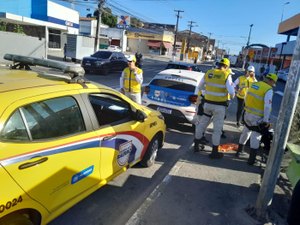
(174, 93)
(283, 74)
(183, 66)
(104, 62)
(114, 48)
(63, 138)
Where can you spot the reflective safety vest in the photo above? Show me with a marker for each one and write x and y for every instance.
(130, 83)
(254, 100)
(244, 84)
(215, 86)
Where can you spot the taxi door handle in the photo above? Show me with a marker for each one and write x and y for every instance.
(30, 164)
(109, 137)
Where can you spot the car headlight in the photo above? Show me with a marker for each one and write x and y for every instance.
(161, 117)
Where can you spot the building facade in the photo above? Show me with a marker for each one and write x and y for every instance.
(55, 20)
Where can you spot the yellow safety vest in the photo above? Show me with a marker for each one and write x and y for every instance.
(254, 100)
(215, 86)
(130, 83)
(244, 84)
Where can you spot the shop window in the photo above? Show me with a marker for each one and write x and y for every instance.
(54, 39)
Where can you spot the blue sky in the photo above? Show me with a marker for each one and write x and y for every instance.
(227, 21)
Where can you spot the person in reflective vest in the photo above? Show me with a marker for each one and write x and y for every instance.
(242, 83)
(258, 106)
(131, 80)
(217, 84)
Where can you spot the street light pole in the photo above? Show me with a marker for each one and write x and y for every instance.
(247, 46)
(249, 34)
(176, 30)
(283, 10)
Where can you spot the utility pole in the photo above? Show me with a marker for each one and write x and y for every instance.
(207, 46)
(176, 30)
(282, 129)
(189, 37)
(97, 39)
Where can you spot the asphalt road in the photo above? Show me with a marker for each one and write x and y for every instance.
(120, 199)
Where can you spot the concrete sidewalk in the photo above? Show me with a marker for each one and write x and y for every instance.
(199, 190)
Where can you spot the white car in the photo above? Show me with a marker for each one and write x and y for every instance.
(283, 74)
(114, 48)
(174, 93)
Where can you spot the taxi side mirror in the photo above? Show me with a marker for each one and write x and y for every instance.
(140, 116)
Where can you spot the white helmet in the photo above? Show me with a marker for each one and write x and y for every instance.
(251, 68)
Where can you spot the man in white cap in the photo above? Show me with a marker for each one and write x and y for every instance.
(131, 80)
(242, 83)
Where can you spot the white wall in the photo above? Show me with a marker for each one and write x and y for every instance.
(21, 44)
(62, 12)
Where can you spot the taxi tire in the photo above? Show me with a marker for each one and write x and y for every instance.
(151, 153)
(17, 219)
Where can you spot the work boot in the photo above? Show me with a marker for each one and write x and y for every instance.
(199, 144)
(196, 145)
(252, 156)
(215, 154)
(240, 151)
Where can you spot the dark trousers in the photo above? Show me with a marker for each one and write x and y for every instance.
(240, 109)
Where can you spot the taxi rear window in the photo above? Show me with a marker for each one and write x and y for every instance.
(173, 84)
(50, 118)
(177, 66)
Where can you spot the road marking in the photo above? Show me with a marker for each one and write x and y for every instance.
(279, 93)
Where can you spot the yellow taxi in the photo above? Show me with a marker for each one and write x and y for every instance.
(62, 138)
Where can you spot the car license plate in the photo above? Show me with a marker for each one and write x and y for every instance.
(87, 64)
(164, 110)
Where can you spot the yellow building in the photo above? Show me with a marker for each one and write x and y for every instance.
(150, 41)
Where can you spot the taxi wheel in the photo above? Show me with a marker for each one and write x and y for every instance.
(151, 153)
(17, 220)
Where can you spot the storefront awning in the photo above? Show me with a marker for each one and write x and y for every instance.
(168, 45)
(154, 44)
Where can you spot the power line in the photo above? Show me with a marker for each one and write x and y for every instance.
(130, 12)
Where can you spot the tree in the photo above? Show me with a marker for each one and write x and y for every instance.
(134, 22)
(3, 26)
(107, 17)
(18, 29)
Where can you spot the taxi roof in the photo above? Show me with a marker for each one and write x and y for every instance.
(191, 75)
(20, 84)
(13, 80)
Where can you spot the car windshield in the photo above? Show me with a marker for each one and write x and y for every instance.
(175, 85)
(102, 54)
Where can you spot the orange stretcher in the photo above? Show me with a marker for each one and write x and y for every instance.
(228, 147)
